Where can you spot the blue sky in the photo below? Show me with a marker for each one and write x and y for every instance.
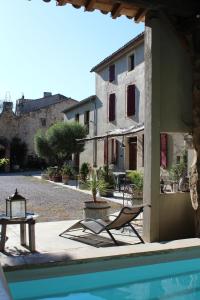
(49, 48)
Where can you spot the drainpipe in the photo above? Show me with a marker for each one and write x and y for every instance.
(95, 133)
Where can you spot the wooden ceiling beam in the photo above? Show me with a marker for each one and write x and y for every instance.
(89, 6)
(116, 10)
(140, 15)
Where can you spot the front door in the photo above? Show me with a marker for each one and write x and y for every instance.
(133, 153)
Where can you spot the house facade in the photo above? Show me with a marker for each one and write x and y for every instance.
(119, 105)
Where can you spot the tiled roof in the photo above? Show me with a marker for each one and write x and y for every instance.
(78, 104)
(33, 105)
(117, 53)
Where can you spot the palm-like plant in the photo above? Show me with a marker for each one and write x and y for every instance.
(96, 185)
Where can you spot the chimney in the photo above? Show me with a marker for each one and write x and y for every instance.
(7, 106)
(47, 94)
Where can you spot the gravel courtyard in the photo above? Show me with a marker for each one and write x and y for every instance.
(51, 202)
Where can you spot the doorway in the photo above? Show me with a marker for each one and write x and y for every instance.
(132, 153)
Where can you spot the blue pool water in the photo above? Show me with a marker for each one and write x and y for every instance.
(169, 280)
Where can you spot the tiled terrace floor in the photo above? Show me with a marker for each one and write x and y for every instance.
(52, 249)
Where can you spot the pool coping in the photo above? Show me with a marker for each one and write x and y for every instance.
(79, 256)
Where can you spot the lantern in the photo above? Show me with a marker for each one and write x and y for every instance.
(16, 206)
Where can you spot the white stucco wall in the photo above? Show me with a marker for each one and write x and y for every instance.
(104, 88)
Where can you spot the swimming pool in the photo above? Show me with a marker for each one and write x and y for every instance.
(164, 280)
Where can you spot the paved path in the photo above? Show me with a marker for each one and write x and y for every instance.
(51, 202)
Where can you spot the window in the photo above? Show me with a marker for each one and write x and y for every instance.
(43, 122)
(131, 62)
(87, 120)
(111, 73)
(77, 118)
(130, 100)
(111, 113)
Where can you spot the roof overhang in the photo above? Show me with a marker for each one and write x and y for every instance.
(137, 9)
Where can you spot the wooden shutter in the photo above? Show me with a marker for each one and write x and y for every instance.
(163, 150)
(130, 100)
(111, 73)
(105, 151)
(111, 107)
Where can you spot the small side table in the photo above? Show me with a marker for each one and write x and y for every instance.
(29, 220)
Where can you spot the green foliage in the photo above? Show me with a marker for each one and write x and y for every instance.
(84, 171)
(67, 170)
(42, 147)
(179, 170)
(105, 174)
(96, 185)
(4, 162)
(136, 179)
(59, 142)
(18, 151)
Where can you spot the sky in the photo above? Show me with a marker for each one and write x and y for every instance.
(44, 47)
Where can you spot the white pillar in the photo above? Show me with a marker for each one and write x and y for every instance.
(152, 130)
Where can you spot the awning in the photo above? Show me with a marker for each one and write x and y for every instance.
(116, 132)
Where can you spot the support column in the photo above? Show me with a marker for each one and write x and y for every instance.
(152, 129)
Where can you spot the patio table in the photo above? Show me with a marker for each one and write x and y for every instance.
(28, 220)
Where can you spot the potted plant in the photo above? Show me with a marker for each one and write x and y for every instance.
(177, 174)
(96, 209)
(136, 178)
(66, 173)
(84, 171)
(51, 172)
(105, 174)
(57, 176)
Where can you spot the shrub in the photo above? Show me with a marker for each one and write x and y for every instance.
(84, 171)
(136, 179)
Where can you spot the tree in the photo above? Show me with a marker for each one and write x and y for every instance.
(59, 141)
(18, 151)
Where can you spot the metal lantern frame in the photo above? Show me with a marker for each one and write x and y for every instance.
(9, 205)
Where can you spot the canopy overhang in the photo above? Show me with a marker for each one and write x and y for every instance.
(116, 132)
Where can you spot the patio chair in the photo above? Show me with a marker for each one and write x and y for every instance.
(124, 219)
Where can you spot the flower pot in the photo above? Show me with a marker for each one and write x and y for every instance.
(57, 178)
(65, 179)
(96, 210)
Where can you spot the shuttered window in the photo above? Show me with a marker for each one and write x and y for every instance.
(111, 113)
(111, 73)
(131, 100)
(163, 150)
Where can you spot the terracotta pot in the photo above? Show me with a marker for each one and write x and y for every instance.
(65, 179)
(96, 210)
(57, 178)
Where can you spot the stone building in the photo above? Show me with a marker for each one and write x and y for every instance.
(29, 116)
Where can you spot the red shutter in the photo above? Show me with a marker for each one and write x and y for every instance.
(130, 100)
(111, 73)
(111, 107)
(163, 150)
(105, 151)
